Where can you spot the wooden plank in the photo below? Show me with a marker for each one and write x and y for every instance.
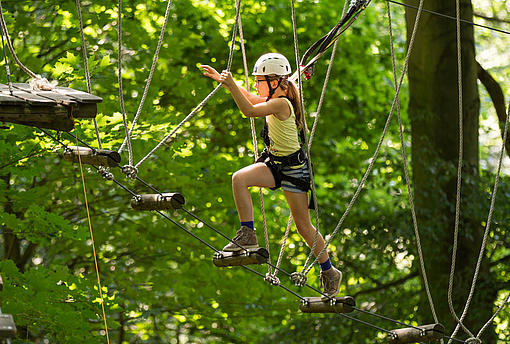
(343, 304)
(257, 255)
(425, 333)
(7, 99)
(82, 97)
(85, 110)
(57, 97)
(165, 201)
(7, 326)
(97, 157)
(32, 99)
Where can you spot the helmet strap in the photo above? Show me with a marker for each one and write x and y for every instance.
(271, 89)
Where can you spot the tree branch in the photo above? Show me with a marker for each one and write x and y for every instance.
(492, 19)
(498, 99)
(387, 285)
(504, 259)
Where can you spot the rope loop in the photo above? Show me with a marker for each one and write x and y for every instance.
(298, 278)
(130, 171)
(473, 341)
(105, 172)
(272, 279)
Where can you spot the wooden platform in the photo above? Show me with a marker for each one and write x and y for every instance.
(7, 326)
(46, 109)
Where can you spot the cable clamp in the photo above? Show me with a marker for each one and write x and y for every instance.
(272, 279)
(298, 278)
(130, 171)
(105, 172)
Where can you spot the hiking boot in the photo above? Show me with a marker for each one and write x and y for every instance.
(245, 237)
(330, 279)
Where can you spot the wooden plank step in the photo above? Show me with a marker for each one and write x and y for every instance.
(82, 97)
(257, 255)
(7, 99)
(344, 304)
(424, 333)
(57, 97)
(165, 201)
(97, 157)
(7, 326)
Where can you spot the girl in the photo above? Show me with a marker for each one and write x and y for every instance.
(283, 163)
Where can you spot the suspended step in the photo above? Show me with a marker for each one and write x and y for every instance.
(89, 156)
(339, 304)
(425, 333)
(46, 109)
(7, 326)
(249, 256)
(165, 201)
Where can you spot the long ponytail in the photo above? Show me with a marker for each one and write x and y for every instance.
(292, 93)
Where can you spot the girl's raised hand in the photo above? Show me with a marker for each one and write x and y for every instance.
(211, 72)
(227, 79)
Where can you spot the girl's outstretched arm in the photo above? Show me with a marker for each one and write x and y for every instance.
(277, 107)
(213, 74)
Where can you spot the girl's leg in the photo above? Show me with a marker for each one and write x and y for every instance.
(298, 203)
(257, 174)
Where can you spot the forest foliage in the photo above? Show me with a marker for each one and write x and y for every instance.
(158, 283)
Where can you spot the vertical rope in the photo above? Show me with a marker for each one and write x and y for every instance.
(86, 65)
(459, 175)
(121, 95)
(92, 239)
(301, 98)
(406, 172)
(485, 235)
(149, 78)
(7, 69)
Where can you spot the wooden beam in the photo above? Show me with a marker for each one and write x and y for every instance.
(97, 157)
(343, 304)
(7, 326)
(243, 257)
(424, 333)
(82, 97)
(165, 201)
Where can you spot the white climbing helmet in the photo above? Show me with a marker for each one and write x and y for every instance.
(272, 63)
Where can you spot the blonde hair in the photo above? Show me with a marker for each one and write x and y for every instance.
(292, 93)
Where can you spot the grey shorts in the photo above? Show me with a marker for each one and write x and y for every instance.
(301, 171)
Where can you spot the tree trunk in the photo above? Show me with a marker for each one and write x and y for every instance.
(433, 109)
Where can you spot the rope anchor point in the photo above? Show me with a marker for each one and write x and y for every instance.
(298, 278)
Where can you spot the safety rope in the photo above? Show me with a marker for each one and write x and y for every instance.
(301, 277)
(92, 240)
(86, 65)
(11, 48)
(6, 61)
(127, 168)
(459, 173)
(254, 136)
(206, 99)
(314, 128)
(406, 173)
(376, 154)
(149, 78)
(485, 234)
(500, 308)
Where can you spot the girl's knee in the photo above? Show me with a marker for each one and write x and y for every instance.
(237, 178)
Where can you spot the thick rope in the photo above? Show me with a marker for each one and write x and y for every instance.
(486, 232)
(149, 78)
(459, 176)
(206, 99)
(500, 308)
(301, 98)
(11, 48)
(253, 135)
(376, 153)
(121, 94)
(406, 172)
(86, 65)
(6, 61)
(92, 240)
